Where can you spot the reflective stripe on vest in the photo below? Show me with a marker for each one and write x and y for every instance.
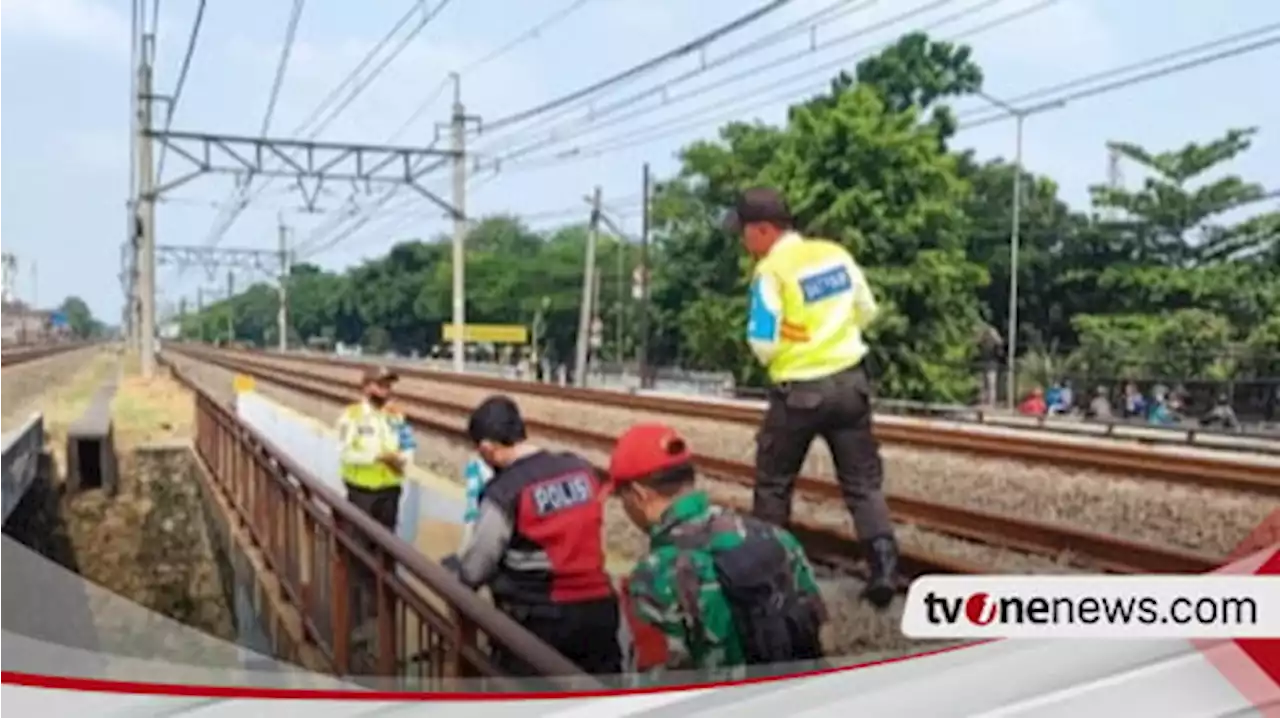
(823, 306)
(386, 438)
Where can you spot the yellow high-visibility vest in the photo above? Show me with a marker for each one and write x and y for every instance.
(809, 306)
(365, 434)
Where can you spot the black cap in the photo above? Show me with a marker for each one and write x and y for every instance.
(758, 204)
(497, 419)
(379, 375)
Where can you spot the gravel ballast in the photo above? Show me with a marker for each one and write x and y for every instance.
(855, 628)
(1206, 520)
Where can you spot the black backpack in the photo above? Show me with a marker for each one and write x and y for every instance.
(775, 623)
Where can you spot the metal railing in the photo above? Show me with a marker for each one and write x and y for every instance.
(22, 450)
(370, 604)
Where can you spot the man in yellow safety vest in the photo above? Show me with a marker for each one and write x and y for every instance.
(373, 453)
(810, 304)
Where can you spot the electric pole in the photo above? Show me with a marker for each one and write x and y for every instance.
(642, 353)
(282, 314)
(147, 216)
(459, 127)
(585, 312)
(231, 310)
(200, 311)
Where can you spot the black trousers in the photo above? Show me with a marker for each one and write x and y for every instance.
(383, 505)
(585, 633)
(837, 408)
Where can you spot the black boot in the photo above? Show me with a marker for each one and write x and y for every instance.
(882, 562)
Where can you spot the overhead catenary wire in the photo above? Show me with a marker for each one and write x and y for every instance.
(568, 100)
(181, 83)
(659, 131)
(642, 68)
(661, 89)
(734, 106)
(331, 112)
(1035, 95)
(282, 66)
(1141, 78)
(829, 13)
(805, 75)
(530, 34)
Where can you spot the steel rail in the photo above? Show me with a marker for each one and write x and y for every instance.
(823, 543)
(1205, 438)
(1129, 460)
(13, 357)
(1089, 549)
(269, 491)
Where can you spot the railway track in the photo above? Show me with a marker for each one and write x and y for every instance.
(13, 357)
(1083, 548)
(1134, 460)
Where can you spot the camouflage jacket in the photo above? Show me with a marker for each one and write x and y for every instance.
(669, 581)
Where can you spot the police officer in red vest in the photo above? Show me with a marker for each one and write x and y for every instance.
(538, 544)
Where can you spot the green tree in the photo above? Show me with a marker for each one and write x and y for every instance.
(1174, 220)
(80, 318)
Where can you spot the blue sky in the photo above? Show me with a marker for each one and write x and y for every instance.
(66, 82)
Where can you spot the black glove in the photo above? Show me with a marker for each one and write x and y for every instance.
(452, 563)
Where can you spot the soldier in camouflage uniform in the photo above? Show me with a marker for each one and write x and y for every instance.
(686, 600)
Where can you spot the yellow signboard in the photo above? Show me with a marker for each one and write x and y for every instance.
(490, 333)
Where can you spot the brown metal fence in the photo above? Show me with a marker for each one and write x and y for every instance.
(369, 603)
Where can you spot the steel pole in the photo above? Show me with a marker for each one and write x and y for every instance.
(1014, 239)
(459, 227)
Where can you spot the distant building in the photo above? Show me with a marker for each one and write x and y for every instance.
(23, 325)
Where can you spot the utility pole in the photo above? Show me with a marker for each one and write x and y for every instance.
(619, 318)
(642, 353)
(35, 286)
(147, 215)
(282, 314)
(200, 311)
(459, 127)
(586, 313)
(231, 310)
(1019, 115)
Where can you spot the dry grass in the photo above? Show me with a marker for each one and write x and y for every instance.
(53, 385)
(147, 411)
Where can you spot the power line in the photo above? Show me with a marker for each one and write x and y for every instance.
(530, 34)
(289, 34)
(354, 74)
(572, 97)
(661, 130)
(669, 100)
(1142, 78)
(1130, 67)
(404, 43)
(334, 112)
(182, 75)
(734, 106)
(239, 198)
(809, 23)
(641, 68)
(752, 95)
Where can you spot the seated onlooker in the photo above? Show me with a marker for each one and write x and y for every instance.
(1034, 404)
(1135, 404)
(1100, 405)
